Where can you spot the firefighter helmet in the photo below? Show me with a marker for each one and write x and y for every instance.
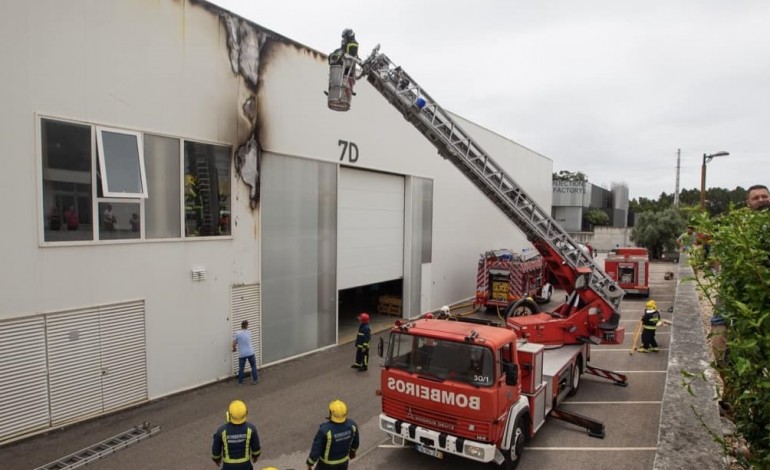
(338, 411)
(651, 305)
(348, 33)
(237, 411)
(363, 317)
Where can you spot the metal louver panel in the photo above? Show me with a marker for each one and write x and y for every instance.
(23, 384)
(245, 304)
(74, 364)
(124, 360)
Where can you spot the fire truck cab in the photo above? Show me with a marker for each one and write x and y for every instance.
(472, 388)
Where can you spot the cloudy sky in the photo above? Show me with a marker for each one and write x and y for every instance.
(607, 87)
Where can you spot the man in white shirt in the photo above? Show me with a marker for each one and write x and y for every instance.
(242, 340)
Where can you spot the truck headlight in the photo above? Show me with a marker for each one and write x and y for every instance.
(474, 451)
(387, 426)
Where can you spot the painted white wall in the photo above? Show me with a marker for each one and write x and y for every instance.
(465, 222)
(159, 67)
(163, 67)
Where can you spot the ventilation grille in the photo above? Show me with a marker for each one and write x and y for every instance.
(199, 273)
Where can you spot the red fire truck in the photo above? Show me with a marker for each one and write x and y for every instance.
(630, 268)
(505, 276)
(471, 388)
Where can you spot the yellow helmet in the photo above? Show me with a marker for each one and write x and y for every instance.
(338, 411)
(237, 411)
(651, 305)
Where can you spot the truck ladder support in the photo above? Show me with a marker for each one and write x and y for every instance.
(102, 449)
(621, 380)
(574, 268)
(594, 428)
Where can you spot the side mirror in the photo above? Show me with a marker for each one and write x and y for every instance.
(511, 373)
(380, 347)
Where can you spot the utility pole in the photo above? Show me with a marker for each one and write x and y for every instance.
(676, 191)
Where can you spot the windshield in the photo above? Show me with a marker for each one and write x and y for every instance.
(441, 360)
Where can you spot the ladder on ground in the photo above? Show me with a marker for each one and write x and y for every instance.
(458, 147)
(103, 448)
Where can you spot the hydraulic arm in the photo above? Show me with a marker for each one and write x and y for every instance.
(591, 312)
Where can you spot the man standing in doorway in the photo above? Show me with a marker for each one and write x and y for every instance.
(242, 340)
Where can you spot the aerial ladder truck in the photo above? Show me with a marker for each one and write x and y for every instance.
(522, 371)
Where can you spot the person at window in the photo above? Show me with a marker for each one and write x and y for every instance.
(134, 222)
(242, 340)
(109, 219)
(53, 219)
(71, 218)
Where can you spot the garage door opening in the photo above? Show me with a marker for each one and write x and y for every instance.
(382, 301)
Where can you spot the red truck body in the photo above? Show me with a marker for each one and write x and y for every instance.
(630, 268)
(505, 276)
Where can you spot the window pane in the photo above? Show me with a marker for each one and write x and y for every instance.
(122, 167)
(206, 189)
(162, 207)
(66, 154)
(119, 220)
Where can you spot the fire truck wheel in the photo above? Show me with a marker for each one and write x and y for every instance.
(520, 308)
(577, 371)
(513, 455)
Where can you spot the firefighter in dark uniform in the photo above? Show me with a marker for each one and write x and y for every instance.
(650, 322)
(362, 343)
(236, 443)
(336, 441)
(349, 46)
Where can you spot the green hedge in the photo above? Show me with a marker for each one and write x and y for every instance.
(735, 277)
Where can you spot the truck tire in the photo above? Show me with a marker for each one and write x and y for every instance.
(577, 371)
(513, 453)
(520, 308)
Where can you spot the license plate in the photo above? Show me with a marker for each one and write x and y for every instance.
(428, 451)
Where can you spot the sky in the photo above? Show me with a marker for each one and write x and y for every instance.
(614, 89)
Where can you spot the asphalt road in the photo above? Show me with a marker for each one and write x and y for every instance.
(291, 399)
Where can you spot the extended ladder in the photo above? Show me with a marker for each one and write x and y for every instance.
(458, 147)
(102, 449)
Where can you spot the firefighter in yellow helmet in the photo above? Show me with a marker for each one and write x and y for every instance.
(336, 441)
(236, 443)
(650, 322)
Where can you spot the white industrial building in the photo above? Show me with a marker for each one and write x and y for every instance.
(172, 169)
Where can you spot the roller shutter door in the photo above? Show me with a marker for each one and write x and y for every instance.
(370, 227)
(23, 384)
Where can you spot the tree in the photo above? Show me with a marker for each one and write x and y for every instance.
(570, 176)
(657, 231)
(596, 217)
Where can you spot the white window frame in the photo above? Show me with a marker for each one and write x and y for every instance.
(103, 167)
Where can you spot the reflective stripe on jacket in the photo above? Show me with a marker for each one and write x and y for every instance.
(650, 319)
(333, 443)
(236, 443)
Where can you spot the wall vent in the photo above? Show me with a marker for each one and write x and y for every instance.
(199, 273)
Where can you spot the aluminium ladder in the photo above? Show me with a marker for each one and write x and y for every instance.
(103, 448)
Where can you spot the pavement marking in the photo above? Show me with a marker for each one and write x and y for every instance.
(593, 449)
(596, 350)
(657, 402)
